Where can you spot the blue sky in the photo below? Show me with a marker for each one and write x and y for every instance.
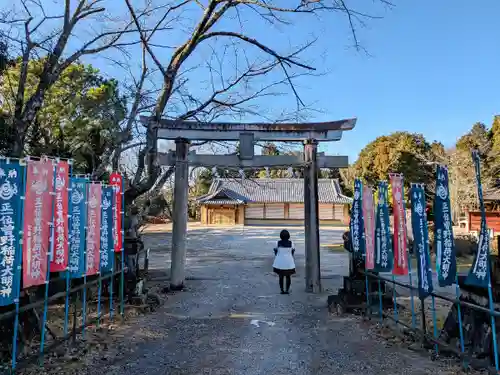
(432, 67)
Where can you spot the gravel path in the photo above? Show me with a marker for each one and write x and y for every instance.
(231, 320)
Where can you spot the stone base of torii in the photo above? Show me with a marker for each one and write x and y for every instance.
(183, 132)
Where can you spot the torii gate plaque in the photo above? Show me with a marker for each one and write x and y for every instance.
(309, 133)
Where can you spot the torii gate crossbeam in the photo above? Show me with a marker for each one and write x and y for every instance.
(247, 133)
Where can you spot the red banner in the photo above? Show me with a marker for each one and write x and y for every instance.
(60, 247)
(400, 242)
(37, 218)
(369, 219)
(116, 180)
(93, 228)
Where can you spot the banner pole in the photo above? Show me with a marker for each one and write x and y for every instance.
(99, 300)
(434, 323)
(115, 263)
(99, 287)
(493, 323)
(369, 233)
(122, 276)
(380, 300)
(410, 279)
(459, 312)
(368, 307)
(397, 184)
(20, 215)
(396, 318)
(66, 304)
(412, 301)
(49, 259)
(111, 282)
(424, 322)
(84, 299)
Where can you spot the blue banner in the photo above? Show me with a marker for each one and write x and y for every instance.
(479, 274)
(107, 251)
(384, 256)
(444, 243)
(11, 188)
(421, 240)
(77, 220)
(357, 226)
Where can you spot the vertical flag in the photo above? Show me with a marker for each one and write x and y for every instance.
(383, 245)
(10, 226)
(93, 239)
(60, 259)
(400, 241)
(107, 249)
(421, 240)
(369, 220)
(357, 227)
(444, 243)
(37, 218)
(480, 271)
(77, 220)
(115, 179)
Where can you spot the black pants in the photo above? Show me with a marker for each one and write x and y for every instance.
(288, 282)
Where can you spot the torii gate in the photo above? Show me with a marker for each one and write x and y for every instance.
(309, 133)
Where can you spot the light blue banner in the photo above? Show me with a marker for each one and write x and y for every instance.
(357, 226)
(421, 240)
(107, 252)
(78, 218)
(444, 243)
(384, 255)
(11, 188)
(479, 274)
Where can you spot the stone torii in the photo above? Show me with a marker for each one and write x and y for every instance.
(183, 132)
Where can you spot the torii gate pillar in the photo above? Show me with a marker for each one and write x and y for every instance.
(311, 217)
(180, 215)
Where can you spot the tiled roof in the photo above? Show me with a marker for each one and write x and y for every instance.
(222, 201)
(491, 195)
(267, 190)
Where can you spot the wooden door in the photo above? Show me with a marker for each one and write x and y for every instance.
(223, 217)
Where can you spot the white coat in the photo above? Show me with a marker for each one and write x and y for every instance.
(284, 259)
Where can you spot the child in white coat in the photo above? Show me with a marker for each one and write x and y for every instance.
(284, 263)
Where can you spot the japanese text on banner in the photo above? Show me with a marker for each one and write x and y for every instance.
(446, 264)
(383, 245)
(107, 249)
(115, 179)
(421, 241)
(357, 226)
(10, 226)
(369, 219)
(400, 241)
(37, 219)
(60, 259)
(77, 220)
(93, 228)
(479, 274)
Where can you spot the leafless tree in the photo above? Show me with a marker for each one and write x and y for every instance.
(211, 37)
(60, 33)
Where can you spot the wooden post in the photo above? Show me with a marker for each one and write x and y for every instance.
(311, 218)
(179, 227)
